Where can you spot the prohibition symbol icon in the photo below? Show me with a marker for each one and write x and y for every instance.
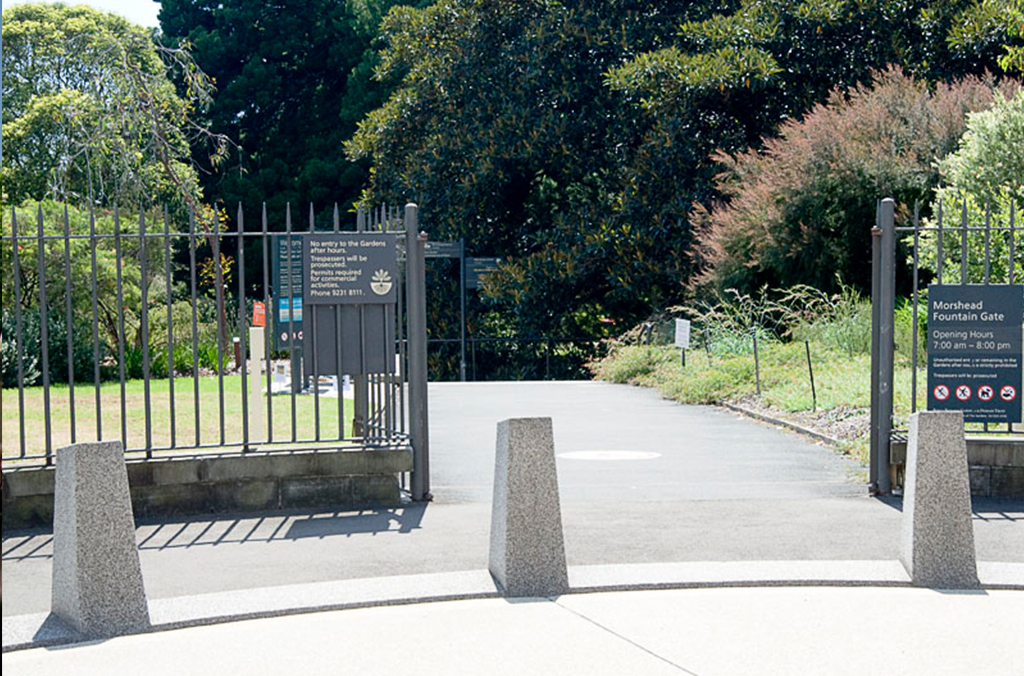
(941, 392)
(986, 392)
(1008, 393)
(963, 392)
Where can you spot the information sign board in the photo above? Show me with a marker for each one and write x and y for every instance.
(350, 268)
(477, 269)
(974, 351)
(683, 333)
(287, 290)
(259, 314)
(442, 249)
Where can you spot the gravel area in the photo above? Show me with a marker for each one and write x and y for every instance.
(842, 423)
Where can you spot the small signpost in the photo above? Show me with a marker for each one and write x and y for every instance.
(259, 314)
(478, 268)
(975, 351)
(683, 337)
(442, 249)
(287, 285)
(454, 250)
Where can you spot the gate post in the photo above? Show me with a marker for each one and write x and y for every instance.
(883, 301)
(416, 309)
(876, 272)
(360, 383)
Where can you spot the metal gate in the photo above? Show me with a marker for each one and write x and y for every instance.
(119, 328)
(982, 246)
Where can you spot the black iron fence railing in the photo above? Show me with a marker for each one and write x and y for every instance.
(962, 244)
(124, 328)
(515, 357)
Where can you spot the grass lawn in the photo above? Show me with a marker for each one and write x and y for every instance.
(135, 415)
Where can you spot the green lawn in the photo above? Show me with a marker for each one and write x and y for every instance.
(184, 415)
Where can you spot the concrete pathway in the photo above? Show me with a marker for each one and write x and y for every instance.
(720, 488)
(705, 632)
(616, 442)
(644, 482)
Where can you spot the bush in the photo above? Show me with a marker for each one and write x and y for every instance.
(32, 354)
(629, 364)
(800, 211)
(988, 159)
(843, 323)
(9, 357)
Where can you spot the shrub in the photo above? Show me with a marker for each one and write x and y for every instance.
(32, 354)
(9, 357)
(843, 323)
(985, 179)
(800, 210)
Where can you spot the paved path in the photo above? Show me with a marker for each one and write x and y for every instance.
(720, 488)
(705, 632)
(703, 453)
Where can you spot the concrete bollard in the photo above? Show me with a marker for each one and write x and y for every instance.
(937, 547)
(97, 579)
(527, 557)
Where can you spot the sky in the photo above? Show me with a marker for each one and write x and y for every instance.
(142, 12)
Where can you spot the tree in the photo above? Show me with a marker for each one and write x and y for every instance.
(574, 138)
(90, 110)
(1014, 57)
(798, 210)
(504, 132)
(988, 22)
(989, 156)
(731, 80)
(293, 79)
(984, 177)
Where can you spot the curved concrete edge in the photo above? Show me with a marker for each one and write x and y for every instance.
(799, 429)
(22, 632)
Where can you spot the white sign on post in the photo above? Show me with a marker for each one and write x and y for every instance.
(257, 428)
(683, 333)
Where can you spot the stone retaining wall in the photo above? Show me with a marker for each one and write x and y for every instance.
(996, 466)
(207, 484)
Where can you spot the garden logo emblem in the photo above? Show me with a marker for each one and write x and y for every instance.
(381, 283)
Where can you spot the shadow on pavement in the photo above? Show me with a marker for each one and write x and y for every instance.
(983, 509)
(402, 520)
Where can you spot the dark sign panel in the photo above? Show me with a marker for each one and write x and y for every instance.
(974, 351)
(366, 343)
(287, 290)
(350, 268)
(477, 269)
(442, 249)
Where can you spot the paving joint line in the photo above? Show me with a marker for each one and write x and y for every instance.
(625, 639)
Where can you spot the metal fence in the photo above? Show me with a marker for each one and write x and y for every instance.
(982, 246)
(153, 326)
(515, 357)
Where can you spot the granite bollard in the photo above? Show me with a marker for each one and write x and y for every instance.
(527, 557)
(937, 547)
(97, 579)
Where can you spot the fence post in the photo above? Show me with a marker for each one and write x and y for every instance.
(883, 344)
(417, 313)
(360, 382)
(757, 360)
(876, 251)
(810, 370)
